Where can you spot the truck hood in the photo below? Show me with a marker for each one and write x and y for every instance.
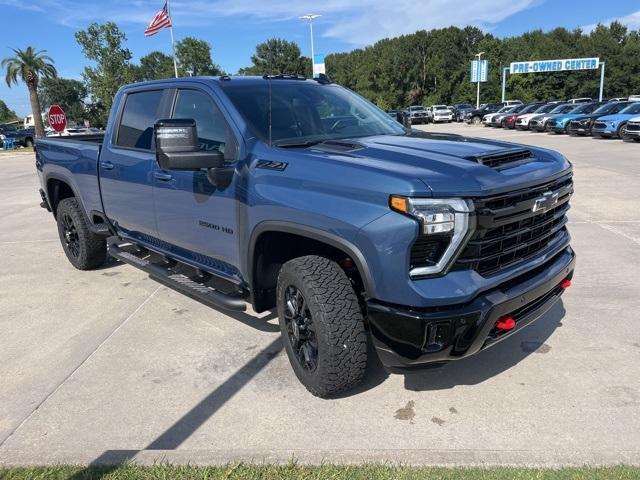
(448, 164)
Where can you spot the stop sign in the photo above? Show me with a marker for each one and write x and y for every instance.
(57, 118)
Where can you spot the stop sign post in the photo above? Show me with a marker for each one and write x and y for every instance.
(57, 118)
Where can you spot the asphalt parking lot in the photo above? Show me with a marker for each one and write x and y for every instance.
(108, 365)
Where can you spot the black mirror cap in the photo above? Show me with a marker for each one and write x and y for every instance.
(178, 148)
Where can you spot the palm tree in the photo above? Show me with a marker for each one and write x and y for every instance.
(29, 66)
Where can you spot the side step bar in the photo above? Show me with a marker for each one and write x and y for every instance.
(178, 281)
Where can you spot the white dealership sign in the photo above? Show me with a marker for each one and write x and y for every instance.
(542, 66)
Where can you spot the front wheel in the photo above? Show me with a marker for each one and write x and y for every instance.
(83, 248)
(476, 120)
(622, 131)
(322, 325)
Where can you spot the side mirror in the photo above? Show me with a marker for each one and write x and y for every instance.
(177, 147)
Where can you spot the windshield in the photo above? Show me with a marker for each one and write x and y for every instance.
(609, 108)
(463, 105)
(631, 109)
(584, 108)
(546, 108)
(563, 109)
(419, 108)
(284, 113)
(529, 108)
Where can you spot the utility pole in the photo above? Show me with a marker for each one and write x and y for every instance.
(310, 17)
(478, 78)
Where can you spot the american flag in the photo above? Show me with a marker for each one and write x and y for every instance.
(160, 21)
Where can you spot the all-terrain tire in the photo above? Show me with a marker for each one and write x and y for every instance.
(84, 249)
(337, 322)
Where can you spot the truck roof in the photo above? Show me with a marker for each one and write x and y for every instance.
(248, 80)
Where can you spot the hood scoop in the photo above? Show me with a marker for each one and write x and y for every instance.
(339, 146)
(504, 159)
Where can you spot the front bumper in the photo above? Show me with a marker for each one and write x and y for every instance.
(407, 338)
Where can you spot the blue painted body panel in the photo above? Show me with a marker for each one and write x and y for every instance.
(344, 195)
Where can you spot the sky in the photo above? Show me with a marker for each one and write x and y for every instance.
(235, 27)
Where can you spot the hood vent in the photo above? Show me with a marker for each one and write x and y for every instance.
(339, 146)
(504, 159)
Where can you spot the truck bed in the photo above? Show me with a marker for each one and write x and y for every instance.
(74, 160)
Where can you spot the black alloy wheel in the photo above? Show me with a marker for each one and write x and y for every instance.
(301, 332)
(70, 235)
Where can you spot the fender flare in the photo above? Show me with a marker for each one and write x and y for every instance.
(313, 234)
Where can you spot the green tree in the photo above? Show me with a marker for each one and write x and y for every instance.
(194, 56)
(6, 114)
(156, 66)
(29, 66)
(103, 44)
(69, 94)
(277, 56)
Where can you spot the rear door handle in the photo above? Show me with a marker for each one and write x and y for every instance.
(107, 165)
(163, 176)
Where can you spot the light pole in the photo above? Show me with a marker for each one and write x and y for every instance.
(478, 78)
(311, 17)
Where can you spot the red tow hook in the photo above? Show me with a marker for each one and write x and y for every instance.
(506, 323)
(566, 283)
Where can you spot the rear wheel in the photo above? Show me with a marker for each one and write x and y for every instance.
(84, 249)
(322, 325)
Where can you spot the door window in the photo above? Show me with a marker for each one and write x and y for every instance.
(211, 125)
(138, 117)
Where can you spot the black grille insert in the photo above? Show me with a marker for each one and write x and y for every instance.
(509, 231)
(633, 127)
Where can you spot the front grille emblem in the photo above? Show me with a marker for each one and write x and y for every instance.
(545, 202)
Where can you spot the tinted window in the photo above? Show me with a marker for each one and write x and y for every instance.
(211, 125)
(139, 115)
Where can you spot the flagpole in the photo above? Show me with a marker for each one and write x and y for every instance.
(173, 45)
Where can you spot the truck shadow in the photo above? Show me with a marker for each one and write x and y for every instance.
(493, 361)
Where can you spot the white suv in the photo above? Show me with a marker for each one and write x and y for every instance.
(440, 113)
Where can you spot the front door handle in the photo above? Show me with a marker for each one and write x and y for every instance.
(107, 165)
(163, 176)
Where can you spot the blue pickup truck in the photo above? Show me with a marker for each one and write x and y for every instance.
(300, 196)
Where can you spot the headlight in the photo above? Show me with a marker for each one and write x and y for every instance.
(445, 221)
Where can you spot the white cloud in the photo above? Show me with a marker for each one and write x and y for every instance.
(632, 21)
(357, 22)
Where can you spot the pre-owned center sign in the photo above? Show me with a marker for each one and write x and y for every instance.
(541, 66)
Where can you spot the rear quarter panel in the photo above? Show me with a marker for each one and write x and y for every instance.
(75, 163)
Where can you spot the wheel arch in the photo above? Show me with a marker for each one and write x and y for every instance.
(312, 239)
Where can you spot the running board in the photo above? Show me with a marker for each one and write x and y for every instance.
(162, 272)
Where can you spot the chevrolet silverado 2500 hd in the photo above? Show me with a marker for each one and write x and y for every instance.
(300, 196)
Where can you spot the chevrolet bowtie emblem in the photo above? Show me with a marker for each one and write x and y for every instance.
(545, 202)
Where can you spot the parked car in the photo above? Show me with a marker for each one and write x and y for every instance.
(21, 137)
(440, 113)
(522, 122)
(400, 116)
(538, 123)
(617, 99)
(247, 195)
(580, 100)
(633, 129)
(460, 110)
(582, 125)
(615, 125)
(510, 120)
(560, 123)
(634, 98)
(418, 114)
(488, 118)
(498, 120)
(476, 116)
(513, 102)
